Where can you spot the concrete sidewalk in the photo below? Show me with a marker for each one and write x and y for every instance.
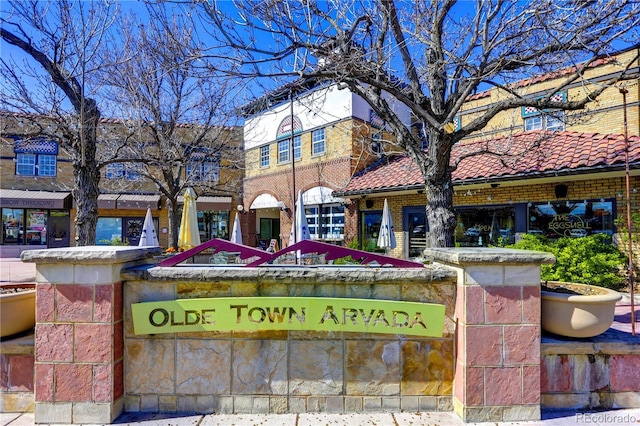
(550, 418)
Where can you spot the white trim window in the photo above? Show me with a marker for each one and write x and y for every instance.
(284, 148)
(318, 142)
(128, 171)
(283, 151)
(264, 156)
(36, 164)
(534, 119)
(326, 226)
(204, 170)
(36, 157)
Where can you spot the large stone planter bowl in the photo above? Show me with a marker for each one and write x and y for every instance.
(17, 309)
(580, 316)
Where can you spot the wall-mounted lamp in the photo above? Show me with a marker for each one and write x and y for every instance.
(240, 208)
(368, 203)
(469, 192)
(561, 191)
(490, 197)
(495, 185)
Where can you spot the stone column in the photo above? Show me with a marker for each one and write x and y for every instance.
(497, 316)
(79, 332)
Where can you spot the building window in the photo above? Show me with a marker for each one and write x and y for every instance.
(571, 218)
(535, 119)
(553, 121)
(376, 143)
(264, 156)
(317, 142)
(128, 171)
(35, 157)
(483, 226)
(35, 165)
(297, 147)
(283, 151)
(326, 222)
(204, 170)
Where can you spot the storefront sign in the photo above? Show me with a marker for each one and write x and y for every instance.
(565, 224)
(288, 313)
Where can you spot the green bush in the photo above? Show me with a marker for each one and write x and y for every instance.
(588, 260)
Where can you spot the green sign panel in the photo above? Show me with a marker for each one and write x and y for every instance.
(288, 313)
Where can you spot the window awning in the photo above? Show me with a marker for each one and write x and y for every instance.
(210, 203)
(35, 199)
(107, 201)
(266, 201)
(137, 201)
(320, 195)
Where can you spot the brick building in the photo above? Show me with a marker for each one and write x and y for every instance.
(562, 173)
(335, 135)
(563, 169)
(37, 177)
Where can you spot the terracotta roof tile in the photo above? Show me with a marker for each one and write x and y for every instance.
(523, 154)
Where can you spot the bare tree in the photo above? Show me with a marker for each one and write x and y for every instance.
(429, 55)
(61, 40)
(177, 114)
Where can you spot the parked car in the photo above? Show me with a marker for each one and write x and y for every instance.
(472, 232)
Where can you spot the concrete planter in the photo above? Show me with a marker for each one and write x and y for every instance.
(586, 314)
(17, 309)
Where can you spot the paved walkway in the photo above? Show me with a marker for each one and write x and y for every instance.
(558, 418)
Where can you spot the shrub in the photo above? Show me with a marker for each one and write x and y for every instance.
(588, 260)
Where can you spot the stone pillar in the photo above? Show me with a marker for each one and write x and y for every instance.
(79, 332)
(497, 316)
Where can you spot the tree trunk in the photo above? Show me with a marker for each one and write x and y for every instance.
(174, 222)
(86, 181)
(440, 217)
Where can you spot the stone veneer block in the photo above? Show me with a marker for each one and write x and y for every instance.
(484, 275)
(427, 368)
(485, 345)
(625, 372)
(45, 302)
(54, 412)
(527, 275)
(54, 342)
(503, 305)
(96, 274)
(503, 386)
(74, 303)
(521, 344)
(259, 367)
(202, 366)
(373, 367)
(316, 368)
(150, 375)
(93, 343)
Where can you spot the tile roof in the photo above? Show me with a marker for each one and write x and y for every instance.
(523, 155)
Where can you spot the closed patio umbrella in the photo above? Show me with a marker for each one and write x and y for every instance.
(386, 237)
(148, 237)
(300, 223)
(189, 235)
(236, 233)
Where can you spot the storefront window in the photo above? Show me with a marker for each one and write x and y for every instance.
(213, 224)
(329, 225)
(108, 230)
(483, 226)
(13, 225)
(36, 230)
(571, 218)
(369, 229)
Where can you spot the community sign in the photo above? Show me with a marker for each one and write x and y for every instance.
(289, 313)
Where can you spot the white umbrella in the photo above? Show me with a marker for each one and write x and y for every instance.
(236, 234)
(386, 237)
(149, 237)
(189, 235)
(299, 223)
